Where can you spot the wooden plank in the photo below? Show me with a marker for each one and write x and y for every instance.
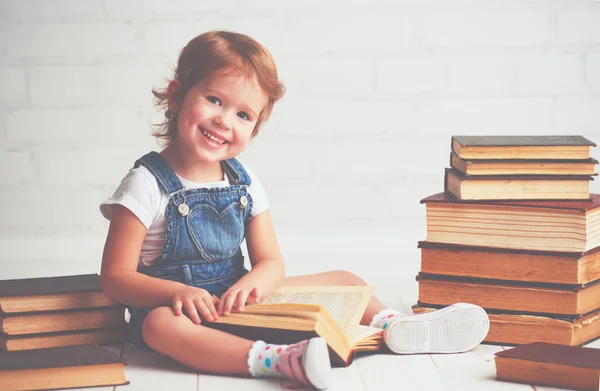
(215, 382)
(473, 370)
(395, 372)
(149, 371)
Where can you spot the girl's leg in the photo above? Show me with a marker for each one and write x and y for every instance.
(196, 346)
(338, 277)
(214, 351)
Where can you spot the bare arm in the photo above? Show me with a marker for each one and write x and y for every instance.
(268, 268)
(120, 280)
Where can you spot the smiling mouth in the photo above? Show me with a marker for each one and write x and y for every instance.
(213, 138)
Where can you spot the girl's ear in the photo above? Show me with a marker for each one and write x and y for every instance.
(173, 91)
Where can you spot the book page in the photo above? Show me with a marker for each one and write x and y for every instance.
(365, 331)
(346, 304)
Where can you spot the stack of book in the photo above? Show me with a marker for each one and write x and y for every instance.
(531, 260)
(50, 312)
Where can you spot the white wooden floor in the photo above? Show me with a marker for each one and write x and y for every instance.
(474, 370)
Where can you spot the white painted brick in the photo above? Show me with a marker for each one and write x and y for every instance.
(52, 208)
(17, 168)
(78, 127)
(592, 70)
(490, 116)
(43, 10)
(483, 73)
(171, 37)
(54, 250)
(73, 41)
(579, 114)
(141, 7)
(498, 28)
(333, 119)
(80, 85)
(13, 84)
(88, 167)
(409, 76)
(366, 32)
(330, 77)
(550, 73)
(578, 27)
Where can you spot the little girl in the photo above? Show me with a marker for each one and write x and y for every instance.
(178, 218)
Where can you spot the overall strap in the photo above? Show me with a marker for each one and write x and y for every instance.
(236, 172)
(158, 166)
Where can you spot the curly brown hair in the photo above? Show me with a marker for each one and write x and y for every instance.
(208, 53)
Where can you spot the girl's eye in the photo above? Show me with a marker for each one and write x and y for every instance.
(214, 99)
(243, 115)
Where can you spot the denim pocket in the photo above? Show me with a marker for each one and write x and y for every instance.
(216, 234)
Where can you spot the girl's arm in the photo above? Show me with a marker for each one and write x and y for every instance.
(119, 276)
(268, 268)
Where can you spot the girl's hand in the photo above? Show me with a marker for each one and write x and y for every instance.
(236, 297)
(197, 303)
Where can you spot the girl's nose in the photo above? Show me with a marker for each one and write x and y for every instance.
(223, 120)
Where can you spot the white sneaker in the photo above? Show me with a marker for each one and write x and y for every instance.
(453, 329)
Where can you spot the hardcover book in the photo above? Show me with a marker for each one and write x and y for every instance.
(521, 147)
(523, 166)
(561, 226)
(550, 364)
(517, 187)
(510, 295)
(52, 293)
(67, 367)
(512, 265)
(293, 314)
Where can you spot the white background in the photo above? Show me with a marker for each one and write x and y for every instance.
(376, 89)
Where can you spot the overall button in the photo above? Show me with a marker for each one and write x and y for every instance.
(243, 201)
(183, 209)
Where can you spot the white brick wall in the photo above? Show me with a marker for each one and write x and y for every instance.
(376, 88)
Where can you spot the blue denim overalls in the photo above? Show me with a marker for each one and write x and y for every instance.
(205, 228)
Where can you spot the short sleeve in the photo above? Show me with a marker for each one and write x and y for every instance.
(139, 192)
(260, 202)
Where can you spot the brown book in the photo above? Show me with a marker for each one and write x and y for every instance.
(57, 368)
(513, 265)
(52, 293)
(517, 187)
(55, 321)
(108, 336)
(513, 296)
(477, 167)
(550, 365)
(293, 314)
(522, 147)
(514, 328)
(563, 226)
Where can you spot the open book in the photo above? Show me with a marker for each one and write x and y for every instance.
(293, 314)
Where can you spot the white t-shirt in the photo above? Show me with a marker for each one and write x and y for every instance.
(140, 192)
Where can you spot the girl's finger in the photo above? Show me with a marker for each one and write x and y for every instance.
(177, 304)
(210, 305)
(240, 302)
(201, 308)
(229, 302)
(222, 302)
(254, 296)
(190, 308)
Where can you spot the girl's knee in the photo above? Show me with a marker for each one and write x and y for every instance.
(347, 278)
(155, 323)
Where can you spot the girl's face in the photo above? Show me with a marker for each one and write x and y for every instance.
(217, 117)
